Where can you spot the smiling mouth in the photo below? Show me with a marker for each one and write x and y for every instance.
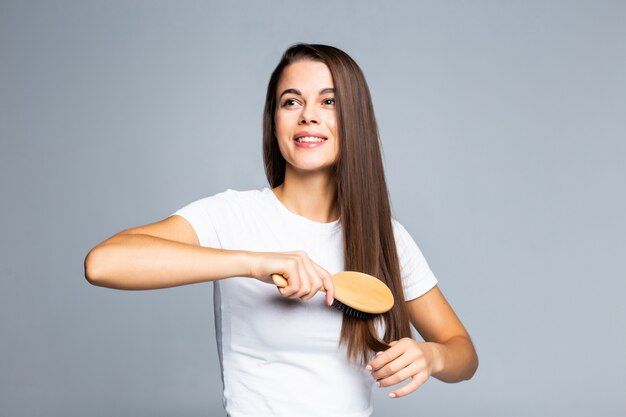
(309, 139)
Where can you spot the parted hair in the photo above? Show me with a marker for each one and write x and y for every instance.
(362, 196)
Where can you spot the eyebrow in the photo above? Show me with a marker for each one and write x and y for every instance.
(297, 92)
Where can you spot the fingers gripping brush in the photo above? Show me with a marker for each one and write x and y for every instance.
(357, 294)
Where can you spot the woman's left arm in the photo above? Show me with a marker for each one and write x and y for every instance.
(447, 353)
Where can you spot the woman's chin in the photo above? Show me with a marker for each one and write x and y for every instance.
(310, 169)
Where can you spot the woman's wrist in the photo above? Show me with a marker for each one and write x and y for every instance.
(437, 357)
(252, 264)
(247, 262)
(227, 263)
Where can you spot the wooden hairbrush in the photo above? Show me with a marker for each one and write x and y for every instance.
(357, 294)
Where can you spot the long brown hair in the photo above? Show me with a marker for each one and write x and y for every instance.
(362, 196)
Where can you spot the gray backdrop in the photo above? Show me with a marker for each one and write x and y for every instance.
(503, 127)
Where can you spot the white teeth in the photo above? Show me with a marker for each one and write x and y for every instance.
(308, 139)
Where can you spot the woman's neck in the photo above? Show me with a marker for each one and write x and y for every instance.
(311, 196)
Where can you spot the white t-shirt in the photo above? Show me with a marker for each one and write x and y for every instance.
(279, 356)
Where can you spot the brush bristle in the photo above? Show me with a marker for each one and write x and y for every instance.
(351, 311)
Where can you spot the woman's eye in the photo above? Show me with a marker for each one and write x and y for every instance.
(329, 101)
(290, 102)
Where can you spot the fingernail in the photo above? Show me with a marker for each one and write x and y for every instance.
(377, 384)
(368, 368)
(379, 353)
(392, 394)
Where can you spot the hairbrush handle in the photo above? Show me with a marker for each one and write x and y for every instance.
(281, 282)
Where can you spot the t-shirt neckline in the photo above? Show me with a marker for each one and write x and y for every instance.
(301, 220)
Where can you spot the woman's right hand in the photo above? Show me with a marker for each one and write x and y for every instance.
(304, 277)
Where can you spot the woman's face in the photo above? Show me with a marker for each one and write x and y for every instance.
(305, 119)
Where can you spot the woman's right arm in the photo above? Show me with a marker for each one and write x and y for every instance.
(160, 255)
(168, 254)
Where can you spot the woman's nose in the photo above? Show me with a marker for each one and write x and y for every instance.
(309, 115)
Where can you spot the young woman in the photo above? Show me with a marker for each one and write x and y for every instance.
(286, 352)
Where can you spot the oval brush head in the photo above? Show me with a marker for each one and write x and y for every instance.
(357, 294)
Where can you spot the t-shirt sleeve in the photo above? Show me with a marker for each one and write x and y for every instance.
(201, 214)
(417, 278)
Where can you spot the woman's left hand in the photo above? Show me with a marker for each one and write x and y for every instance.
(406, 358)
